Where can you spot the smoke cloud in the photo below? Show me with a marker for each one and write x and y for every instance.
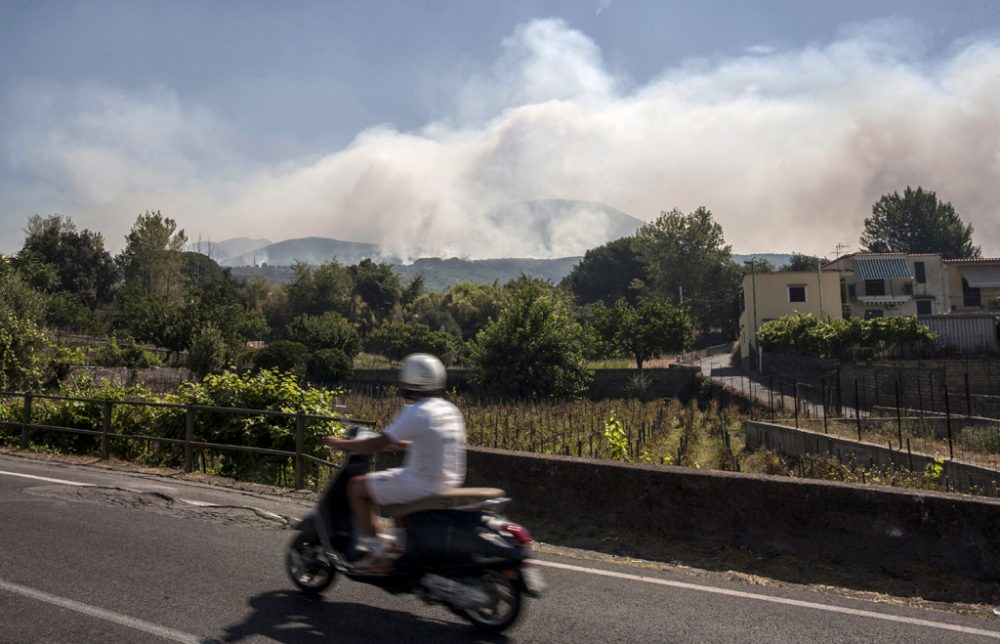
(788, 148)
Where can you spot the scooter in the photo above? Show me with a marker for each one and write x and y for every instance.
(453, 549)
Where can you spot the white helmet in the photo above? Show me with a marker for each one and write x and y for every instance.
(422, 373)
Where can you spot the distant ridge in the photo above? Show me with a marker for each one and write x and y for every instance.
(227, 249)
(439, 274)
(310, 250)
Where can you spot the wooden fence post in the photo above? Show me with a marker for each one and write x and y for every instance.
(105, 430)
(25, 420)
(188, 437)
(300, 443)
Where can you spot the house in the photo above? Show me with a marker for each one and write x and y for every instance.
(974, 285)
(892, 284)
(771, 295)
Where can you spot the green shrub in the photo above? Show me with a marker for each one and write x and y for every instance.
(329, 330)
(282, 355)
(851, 338)
(126, 352)
(208, 352)
(329, 365)
(397, 340)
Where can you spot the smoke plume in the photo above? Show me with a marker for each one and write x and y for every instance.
(789, 149)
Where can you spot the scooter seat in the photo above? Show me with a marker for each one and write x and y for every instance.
(453, 499)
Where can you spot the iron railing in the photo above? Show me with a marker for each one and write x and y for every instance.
(190, 419)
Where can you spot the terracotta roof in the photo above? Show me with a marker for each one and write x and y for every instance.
(890, 254)
(976, 260)
(825, 270)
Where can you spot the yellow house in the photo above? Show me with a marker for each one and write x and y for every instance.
(973, 285)
(768, 296)
(892, 284)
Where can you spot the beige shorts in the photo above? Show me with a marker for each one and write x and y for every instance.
(389, 487)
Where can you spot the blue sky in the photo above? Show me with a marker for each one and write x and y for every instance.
(403, 123)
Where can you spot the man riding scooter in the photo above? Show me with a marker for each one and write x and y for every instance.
(431, 430)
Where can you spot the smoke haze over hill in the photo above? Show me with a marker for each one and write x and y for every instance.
(788, 148)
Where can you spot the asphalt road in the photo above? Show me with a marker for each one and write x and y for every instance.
(135, 558)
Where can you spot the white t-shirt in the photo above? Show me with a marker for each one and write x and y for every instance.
(436, 457)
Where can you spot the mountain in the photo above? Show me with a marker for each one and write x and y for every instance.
(226, 249)
(439, 274)
(543, 228)
(311, 250)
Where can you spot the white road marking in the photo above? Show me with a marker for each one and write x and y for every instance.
(200, 504)
(776, 600)
(100, 613)
(551, 564)
(47, 479)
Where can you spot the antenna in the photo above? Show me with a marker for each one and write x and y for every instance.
(839, 247)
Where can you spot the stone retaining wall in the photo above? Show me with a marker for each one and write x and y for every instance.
(579, 502)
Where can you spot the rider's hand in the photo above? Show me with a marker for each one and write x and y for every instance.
(333, 442)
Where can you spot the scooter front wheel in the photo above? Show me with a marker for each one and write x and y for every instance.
(307, 566)
(504, 606)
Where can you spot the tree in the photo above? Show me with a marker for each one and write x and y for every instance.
(651, 329)
(473, 305)
(328, 287)
(208, 351)
(534, 347)
(327, 331)
(801, 263)
(609, 272)
(283, 355)
(917, 222)
(379, 289)
(151, 260)
(689, 263)
(23, 343)
(78, 260)
(396, 340)
(329, 365)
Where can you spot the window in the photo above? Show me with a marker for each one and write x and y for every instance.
(874, 313)
(796, 293)
(852, 290)
(924, 307)
(920, 272)
(874, 287)
(971, 296)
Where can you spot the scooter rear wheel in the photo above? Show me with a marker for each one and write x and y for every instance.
(307, 566)
(504, 607)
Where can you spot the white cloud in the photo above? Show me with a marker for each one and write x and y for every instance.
(789, 149)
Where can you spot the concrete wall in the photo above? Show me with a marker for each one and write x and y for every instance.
(799, 442)
(646, 509)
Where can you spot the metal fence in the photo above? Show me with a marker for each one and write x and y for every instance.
(299, 456)
(923, 414)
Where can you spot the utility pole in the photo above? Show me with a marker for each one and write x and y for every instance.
(819, 278)
(753, 285)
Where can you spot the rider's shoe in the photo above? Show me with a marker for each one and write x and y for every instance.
(375, 559)
(373, 563)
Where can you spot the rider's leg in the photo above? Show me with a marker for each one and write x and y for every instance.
(361, 504)
(363, 511)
